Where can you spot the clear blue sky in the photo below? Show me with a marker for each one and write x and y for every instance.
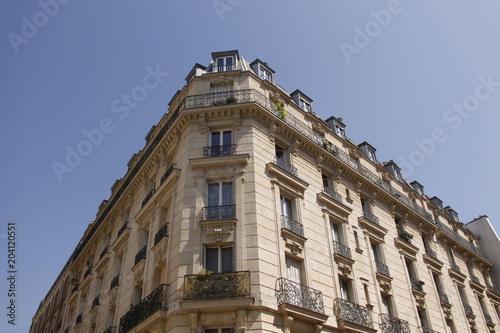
(397, 72)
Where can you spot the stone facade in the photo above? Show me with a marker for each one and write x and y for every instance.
(246, 212)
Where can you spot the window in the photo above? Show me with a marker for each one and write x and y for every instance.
(220, 194)
(306, 106)
(286, 207)
(137, 297)
(345, 290)
(219, 330)
(293, 269)
(483, 309)
(365, 207)
(422, 316)
(219, 259)
(387, 306)
(325, 181)
(281, 154)
(220, 144)
(224, 64)
(372, 156)
(340, 131)
(336, 233)
(378, 258)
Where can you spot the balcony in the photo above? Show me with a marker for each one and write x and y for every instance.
(87, 273)
(161, 234)
(110, 329)
(291, 225)
(382, 268)
(167, 173)
(217, 285)
(115, 282)
(417, 285)
(467, 308)
(217, 151)
(284, 165)
(122, 229)
(405, 237)
(455, 267)
(352, 313)
(443, 297)
(141, 255)
(370, 217)
(219, 212)
(391, 324)
(154, 302)
(148, 197)
(293, 293)
(104, 252)
(79, 319)
(488, 318)
(342, 250)
(332, 194)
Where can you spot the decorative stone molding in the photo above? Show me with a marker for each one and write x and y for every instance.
(287, 323)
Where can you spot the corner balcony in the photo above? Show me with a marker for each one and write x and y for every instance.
(350, 315)
(219, 151)
(291, 225)
(155, 304)
(298, 295)
(391, 324)
(224, 212)
(217, 285)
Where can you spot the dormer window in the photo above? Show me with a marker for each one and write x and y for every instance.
(224, 61)
(437, 202)
(224, 64)
(392, 167)
(262, 70)
(301, 99)
(417, 187)
(451, 213)
(338, 127)
(340, 131)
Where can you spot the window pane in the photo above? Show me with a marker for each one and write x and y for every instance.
(212, 263)
(227, 193)
(286, 207)
(293, 270)
(213, 194)
(220, 64)
(226, 138)
(227, 259)
(386, 307)
(375, 252)
(229, 63)
(344, 290)
(215, 139)
(335, 232)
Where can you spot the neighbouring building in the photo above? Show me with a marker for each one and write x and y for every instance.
(247, 212)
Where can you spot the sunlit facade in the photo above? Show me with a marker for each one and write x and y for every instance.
(247, 212)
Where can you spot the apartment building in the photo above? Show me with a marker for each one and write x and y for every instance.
(247, 212)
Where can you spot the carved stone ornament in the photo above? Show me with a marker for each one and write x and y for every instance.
(420, 301)
(385, 286)
(287, 323)
(293, 246)
(447, 313)
(345, 269)
(472, 323)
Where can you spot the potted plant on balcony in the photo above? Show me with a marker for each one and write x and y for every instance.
(279, 108)
(230, 100)
(204, 274)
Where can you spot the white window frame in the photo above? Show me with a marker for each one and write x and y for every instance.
(305, 105)
(220, 259)
(224, 66)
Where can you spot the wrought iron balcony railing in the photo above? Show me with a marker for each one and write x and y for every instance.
(292, 225)
(431, 253)
(455, 267)
(488, 318)
(96, 301)
(382, 268)
(491, 287)
(342, 250)
(87, 272)
(352, 313)
(453, 234)
(148, 197)
(122, 229)
(215, 151)
(223, 68)
(443, 297)
(219, 212)
(391, 324)
(284, 165)
(475, 279)
(467, 308)
(110, 329)
(167, 173)
(152, 303)
(217, 285)
(370, 217)
(141, 255)
(405, 236)
(290, 292)
(104, 252)
(332, 194)
(115, 282)
(162, 233)
(416, 284)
